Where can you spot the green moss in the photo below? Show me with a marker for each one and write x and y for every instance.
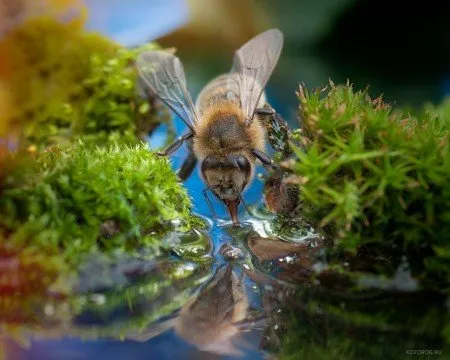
(442, 110)
(374, 181)
(90, 190)
(77, 200)
(370, 174)
(67, 82)
(106, 109)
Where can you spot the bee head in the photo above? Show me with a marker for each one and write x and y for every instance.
(227, 179)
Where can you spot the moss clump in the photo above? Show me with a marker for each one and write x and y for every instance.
(374, 181)
(76, 200)
(69, 83)
(331, 332)
(371, 175)
(107, 108)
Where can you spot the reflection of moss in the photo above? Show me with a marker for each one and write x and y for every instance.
(24, 277)
(81, 199)
(127, 311)
(116, 313)
(194, 247)
(384, 327)
(68, 82)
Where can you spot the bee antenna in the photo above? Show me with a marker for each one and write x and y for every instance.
(242, 199)
(205, 195)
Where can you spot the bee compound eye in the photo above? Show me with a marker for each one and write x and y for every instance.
(210, 162)
(243, 163)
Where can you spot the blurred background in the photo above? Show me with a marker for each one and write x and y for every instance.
(397, 48)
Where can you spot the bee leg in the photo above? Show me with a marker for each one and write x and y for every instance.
(205, 195)
(264, 158)
(275, 117)
(278, 132)
(187, 167)
(265, 111)
(176, 144)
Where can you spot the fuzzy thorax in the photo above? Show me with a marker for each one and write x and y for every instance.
(221, 131)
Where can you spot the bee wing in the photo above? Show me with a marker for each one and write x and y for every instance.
(252, 66)
(163, 73)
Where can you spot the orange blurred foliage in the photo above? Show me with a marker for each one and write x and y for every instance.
(16, 57)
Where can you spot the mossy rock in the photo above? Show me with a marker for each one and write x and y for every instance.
(80, 199)
(370, 174)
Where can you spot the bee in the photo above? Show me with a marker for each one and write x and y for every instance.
(227, 132)
(214, 317)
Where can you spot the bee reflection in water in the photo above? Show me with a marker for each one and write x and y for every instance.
(215, 318)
